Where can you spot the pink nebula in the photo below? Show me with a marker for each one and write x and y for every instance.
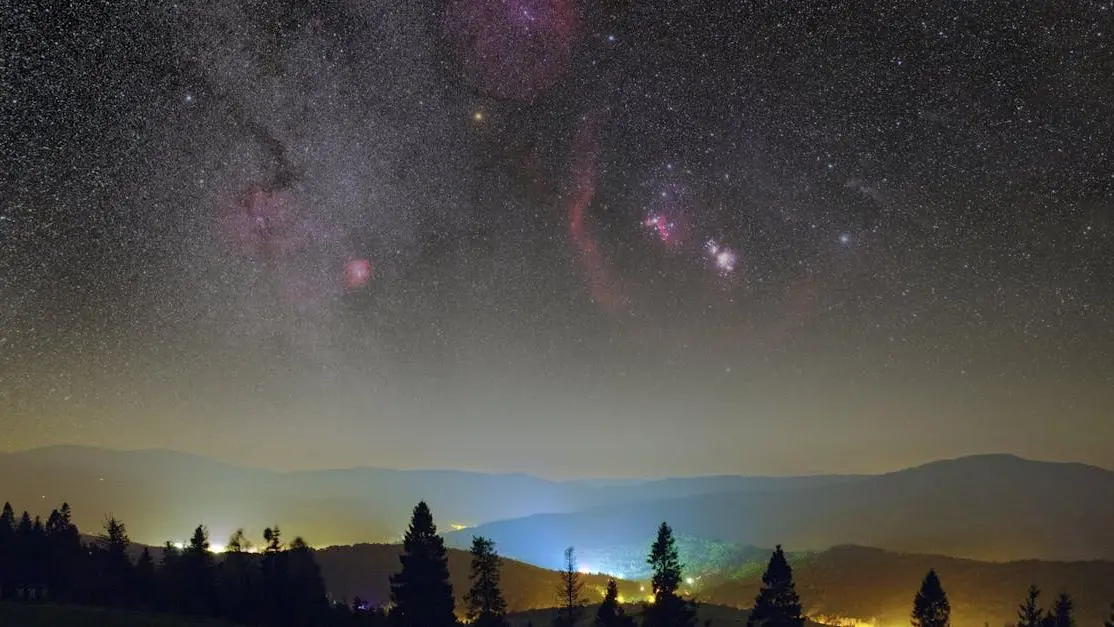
(513, 48)
(357, 273)
(604, 287)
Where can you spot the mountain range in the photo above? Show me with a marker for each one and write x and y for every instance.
(989, 507)
(1037, 522)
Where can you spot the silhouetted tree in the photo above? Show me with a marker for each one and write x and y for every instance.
(486, 605)
(238, 581)
(570, 603)
(1062, 613)
(62, 556)
(169, 578)
(30, 544)
(145, 584)
(306, 602)
(420, 591)
(273, 576)
(610, 612)
(667, 609)
(197, 575)
(114, 568)
(1030, 614)
(8, 552)
(930, 606)
(777, 604)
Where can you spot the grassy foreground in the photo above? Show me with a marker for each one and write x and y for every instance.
(20, 615)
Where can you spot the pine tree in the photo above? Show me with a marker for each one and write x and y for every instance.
(7, 552)
(1030, 614)
(777, 604)
(610, 612)
(667, 609)
(65, 555)
(306, 602)
(1063, 610)
(145, 584)
(570, 603)
(238, 580)
(486, 606)
(420, 591)
(115, 572)
(930, 606)
(197, 570)
(274, 573)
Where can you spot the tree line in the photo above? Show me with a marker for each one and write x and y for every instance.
(280, 585)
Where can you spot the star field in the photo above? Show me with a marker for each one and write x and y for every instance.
(538, 235)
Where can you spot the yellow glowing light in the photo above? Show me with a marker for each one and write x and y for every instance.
(216, 548)
(650, 598)
(457, 527)
(478, 116)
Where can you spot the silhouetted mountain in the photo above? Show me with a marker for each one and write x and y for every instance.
(984, 507)
(992, 507)
(363, 570)
(163, 494)
(866, 583)
(843, 582)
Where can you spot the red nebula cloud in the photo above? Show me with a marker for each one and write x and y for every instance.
(357, 273)
(514, 48)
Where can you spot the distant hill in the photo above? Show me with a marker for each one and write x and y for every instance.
(847, 582)
(164, 494)
(992, 507)
(363, 570)
(866, 583)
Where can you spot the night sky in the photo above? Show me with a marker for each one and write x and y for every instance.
(570, 239)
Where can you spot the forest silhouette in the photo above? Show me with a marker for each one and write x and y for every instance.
(279, 583)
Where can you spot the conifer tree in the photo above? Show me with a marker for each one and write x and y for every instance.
(198, 573)
(1063, 610)
(64, 554)
(306, 602)
(273, 576)
(7, 552)
(777, 604)
(610, 612)
(930, 606)
(486, 605)
(667, 609)
(115, 568)
(420, 591)
(1030, 614)
(145, 584)
(238, 580)
(570, 603)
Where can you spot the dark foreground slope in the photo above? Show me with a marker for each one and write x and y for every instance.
(20, 615)
(719, 615)
(869, 583)
(993, 507)
(846, 581)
